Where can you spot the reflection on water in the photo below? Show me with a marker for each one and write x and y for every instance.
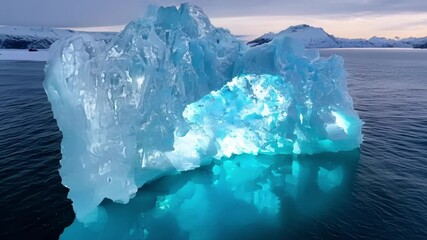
(244, 197)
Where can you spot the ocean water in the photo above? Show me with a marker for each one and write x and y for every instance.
(376, 192)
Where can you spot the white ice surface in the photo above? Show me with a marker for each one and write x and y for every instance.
(23, 55)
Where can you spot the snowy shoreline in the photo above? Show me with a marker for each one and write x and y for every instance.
(42, 54)
(23, 55)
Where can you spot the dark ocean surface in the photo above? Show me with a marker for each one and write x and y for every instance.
(382, 192)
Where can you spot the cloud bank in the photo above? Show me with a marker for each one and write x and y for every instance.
(95, 13)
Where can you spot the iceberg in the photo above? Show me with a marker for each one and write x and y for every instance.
(171, 93)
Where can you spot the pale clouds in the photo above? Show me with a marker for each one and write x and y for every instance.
(358, 18)
(390, 25)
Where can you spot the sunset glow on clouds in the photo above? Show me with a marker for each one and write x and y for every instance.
(251, 18)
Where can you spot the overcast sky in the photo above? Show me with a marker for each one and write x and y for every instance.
(344, 18)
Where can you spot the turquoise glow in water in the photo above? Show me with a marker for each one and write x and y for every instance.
(243, 197)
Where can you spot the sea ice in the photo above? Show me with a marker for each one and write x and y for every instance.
(171, 92)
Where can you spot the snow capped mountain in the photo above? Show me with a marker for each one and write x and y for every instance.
(353, 43)
(421, 45)
(314, 37)
(311, 37)
(385, 42)
(39, 37)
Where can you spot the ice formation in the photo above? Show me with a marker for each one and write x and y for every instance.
(243, 197)
(171, 92)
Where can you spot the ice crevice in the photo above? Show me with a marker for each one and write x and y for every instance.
(172, 92)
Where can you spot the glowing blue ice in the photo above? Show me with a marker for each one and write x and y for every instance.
(171, 92)
(260, 114)
(243, 197)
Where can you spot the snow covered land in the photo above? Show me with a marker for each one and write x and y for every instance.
(39, 37)
(315, 37)
(12, 37)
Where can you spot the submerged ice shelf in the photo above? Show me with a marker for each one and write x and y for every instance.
(171, 93)
(243, 197)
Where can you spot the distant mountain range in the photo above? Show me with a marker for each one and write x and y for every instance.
(311, 37)
(39, 37)
(314, 37)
